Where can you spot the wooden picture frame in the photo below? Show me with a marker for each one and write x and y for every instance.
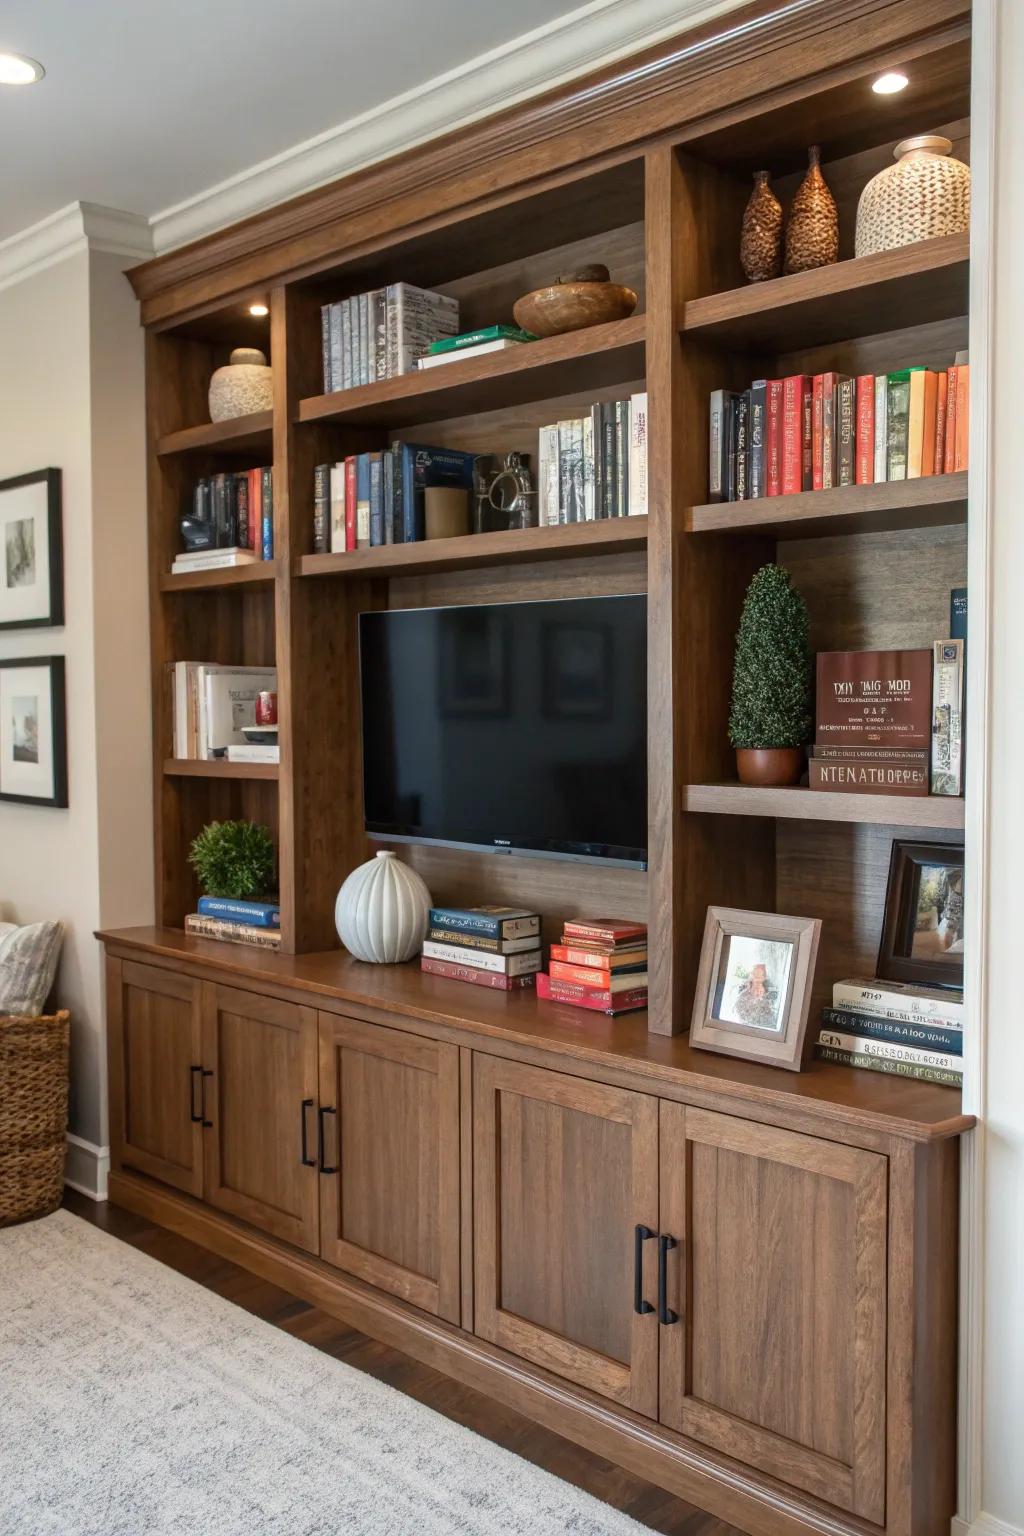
(31, 551)
(33, 731)
(922, 930)
(738, 1012)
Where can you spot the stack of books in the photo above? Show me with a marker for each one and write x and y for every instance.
(213, 706)
(382, 334)
(371, 499)
(488, 946)
(813, 432)
(232, 521)
(895, 1027)
(237, 922)
(600, 964)
(594, 466)
(492, 338)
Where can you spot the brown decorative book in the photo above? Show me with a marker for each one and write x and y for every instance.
(874, 698)
(860, 776)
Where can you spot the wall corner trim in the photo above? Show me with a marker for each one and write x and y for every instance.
(985, 1525)
(87, 1167)
(77, 227)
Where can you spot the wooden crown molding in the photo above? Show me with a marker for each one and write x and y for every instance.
(766, 46)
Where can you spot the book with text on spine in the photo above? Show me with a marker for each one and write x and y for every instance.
(493, 922)
(259, 914)
(461, 971)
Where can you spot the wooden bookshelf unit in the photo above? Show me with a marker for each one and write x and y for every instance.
(814, 1211)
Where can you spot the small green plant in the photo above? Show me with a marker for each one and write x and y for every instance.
(235, 859)
(771, 680)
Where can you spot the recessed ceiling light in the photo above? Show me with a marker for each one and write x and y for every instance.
(259, 310)
(889, 84)
(16, 69)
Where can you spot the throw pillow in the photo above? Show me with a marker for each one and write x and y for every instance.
(28, 964)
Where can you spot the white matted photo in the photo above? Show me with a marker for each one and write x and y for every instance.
(31, 566)
(33, 750)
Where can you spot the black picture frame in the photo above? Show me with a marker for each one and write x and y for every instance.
(902, 922)
(55, 547)
(58, 731)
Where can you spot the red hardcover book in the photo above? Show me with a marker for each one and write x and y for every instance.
(940, 423)
(795, 393)
(255, 509)
(817, 431)
(601, 981)
(773, 437)
(949, 449)
(568, 954)
(350, 502)
(477, 978)
(865, 463)
(603, 930)
(583, 997)
(963, 416)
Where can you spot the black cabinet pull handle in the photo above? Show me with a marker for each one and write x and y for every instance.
(665, 1313)
(320, 1139)
(206, 1073)
(195, 1115)
(306, 1160)
(640, 1236)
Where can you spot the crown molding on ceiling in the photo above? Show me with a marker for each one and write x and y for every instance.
(594, 35)
(77, 227)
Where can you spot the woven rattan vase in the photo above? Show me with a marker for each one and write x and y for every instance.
(812, 234)
(33, 1115)
(761, 232)
(926, 193)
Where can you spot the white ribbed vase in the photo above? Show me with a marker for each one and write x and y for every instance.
(382, 910)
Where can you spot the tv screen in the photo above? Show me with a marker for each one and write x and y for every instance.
(515, 727)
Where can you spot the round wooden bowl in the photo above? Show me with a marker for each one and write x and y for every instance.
(572, 307)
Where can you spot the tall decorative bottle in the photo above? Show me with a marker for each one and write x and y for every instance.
(761, 232)
(812, 234)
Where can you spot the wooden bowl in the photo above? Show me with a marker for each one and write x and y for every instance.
(572, 307)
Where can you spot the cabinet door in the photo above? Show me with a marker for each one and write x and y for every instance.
(155, 1065)
(260, 1061)
(389, 1186)
(564, 1173)
(779, 1280)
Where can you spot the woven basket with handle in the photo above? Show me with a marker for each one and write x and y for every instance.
(33, 1115)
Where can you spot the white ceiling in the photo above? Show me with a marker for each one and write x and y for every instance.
(147, 103)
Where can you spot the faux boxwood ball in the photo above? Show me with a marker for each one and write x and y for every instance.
(382, 910)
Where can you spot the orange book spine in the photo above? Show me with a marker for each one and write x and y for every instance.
(949, 453)
(818, 432)
(942, 386)
(583, 975)
(931, 400)
(865, 461)
(963, 416)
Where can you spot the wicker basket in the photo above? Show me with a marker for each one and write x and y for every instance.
(33, 1115)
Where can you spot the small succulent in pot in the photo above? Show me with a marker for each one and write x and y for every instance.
(234, 859)
(770, 719)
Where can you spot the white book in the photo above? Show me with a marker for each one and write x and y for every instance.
(484, 959)
(887, 1050)
(589, 469)
(214, 560)
(249, 752)
(904, 1002)
(881, 424)
(197, 556)
(947, 717)
(415, 318)
(638, 455)
(501, 345)
(227, 702)
(337, 542)
(547, 475)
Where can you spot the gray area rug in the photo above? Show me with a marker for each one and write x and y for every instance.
(135, 1403)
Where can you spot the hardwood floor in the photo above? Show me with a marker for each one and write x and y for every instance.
(649, 1505)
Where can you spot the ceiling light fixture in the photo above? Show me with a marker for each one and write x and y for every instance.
(16, 69)
(889, 84)
(259, 310)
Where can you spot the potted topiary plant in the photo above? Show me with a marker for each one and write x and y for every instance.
(234, 859)
(770, 718)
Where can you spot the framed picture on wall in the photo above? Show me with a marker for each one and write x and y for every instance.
(754, 985)
(923, 928)
(31, 554)
(33, 731)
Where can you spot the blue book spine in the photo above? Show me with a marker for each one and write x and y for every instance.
(376, 499)
(259, 914)
(267, 531)
(399, 512)
(932, 1037)
(460, 921)
(409, 533)
(388, 495)
(422, 466)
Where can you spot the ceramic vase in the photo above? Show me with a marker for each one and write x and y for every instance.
(382, 910)
(769, 767)
(812, 234)
(761, 232)
(241, 388)
(926, 193)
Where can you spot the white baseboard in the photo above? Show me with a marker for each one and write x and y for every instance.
(985, 1525)
(87, 1167)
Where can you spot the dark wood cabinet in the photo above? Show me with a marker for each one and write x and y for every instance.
(390, 1184)
(565, 1171)
(260, 1066)
(155, 1055)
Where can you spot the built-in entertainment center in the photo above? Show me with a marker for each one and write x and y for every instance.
(738, 1281)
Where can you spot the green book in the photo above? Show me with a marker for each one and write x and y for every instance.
(477, 338)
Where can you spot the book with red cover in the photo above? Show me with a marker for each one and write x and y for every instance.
(601, 981)
(795, 440)
(773, 438)
(869, 698)
(857, 776)
(865, 464)
(496, 979)
(256, 509)
(582, 997)
(350, 502)
(600, 959)
(817, 429)
(949, 451)
(603, 930)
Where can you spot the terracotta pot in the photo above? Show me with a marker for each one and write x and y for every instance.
(769, 767)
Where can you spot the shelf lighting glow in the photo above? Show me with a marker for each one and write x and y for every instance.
(16, 69)
(889, 84)
(259, 310)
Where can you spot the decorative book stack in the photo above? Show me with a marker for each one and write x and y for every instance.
(255, 923)
(382, 334)
(371, 499)
(891, 1026)
(600, 964)
(488, 946)
(492, 338)
(594, 466)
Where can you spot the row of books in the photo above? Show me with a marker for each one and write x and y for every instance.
(382, 334)
(490, 946)
(810, 433)
(256, 923)
(378, 498)
(894, 1027)
(213, 706)
(600, 964)
(594, 466)
(232, 521)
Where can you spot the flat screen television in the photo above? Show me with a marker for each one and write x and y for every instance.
(513, 727)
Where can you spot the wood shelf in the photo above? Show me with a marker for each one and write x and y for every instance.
(255, 432)
(801, 803)
(217, 768)
(913, 285)
(261, 573)
(925, 503)
(609, 536)
(560, 365)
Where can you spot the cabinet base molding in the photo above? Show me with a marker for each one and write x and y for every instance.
(623, 1437)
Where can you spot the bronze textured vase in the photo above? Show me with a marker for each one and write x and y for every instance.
(812, 234)
(761, 232)
(769, 767)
